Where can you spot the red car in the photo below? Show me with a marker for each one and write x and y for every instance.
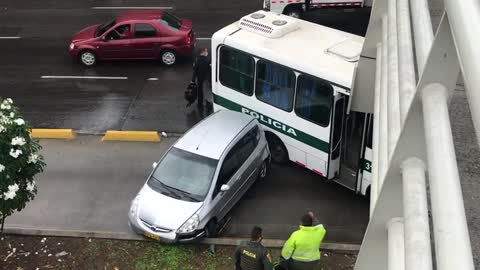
(139, 34)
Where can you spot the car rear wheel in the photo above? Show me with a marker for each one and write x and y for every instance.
(88, 58)
(168, 58)
(264, 170)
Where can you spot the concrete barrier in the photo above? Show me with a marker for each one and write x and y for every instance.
(46, 133)
(139, 136)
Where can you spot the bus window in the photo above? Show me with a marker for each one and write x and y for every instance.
(275, 85)
(314, 100)
(237, 70)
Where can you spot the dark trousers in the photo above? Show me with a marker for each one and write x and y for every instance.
(200, 82)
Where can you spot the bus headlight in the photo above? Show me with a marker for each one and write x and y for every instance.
(190, 225)
(266, 4)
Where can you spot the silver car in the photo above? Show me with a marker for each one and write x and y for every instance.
(200, 178)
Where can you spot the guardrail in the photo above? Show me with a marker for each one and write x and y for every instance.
(412, 134)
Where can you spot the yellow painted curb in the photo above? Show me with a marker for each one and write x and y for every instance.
(46, 133)
(140, 136)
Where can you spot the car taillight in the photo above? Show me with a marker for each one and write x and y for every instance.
(188, 39)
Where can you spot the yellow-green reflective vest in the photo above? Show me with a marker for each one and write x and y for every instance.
(304, 244)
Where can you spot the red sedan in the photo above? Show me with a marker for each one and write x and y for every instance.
(139, 34)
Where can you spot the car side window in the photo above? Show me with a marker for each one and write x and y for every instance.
(229, 166)
(119, 32)
(236, 157)
(144, 30)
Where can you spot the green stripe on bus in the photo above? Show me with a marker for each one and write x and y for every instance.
(274, 124)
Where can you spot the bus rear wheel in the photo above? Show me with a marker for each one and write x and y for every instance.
(277, 149)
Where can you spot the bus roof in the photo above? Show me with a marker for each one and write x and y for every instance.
(314, 49)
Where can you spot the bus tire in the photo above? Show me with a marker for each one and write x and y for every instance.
(277, 149)
(294, 11)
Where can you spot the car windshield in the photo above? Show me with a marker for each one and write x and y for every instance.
(171, 21)
(104, 27)
(183, 175)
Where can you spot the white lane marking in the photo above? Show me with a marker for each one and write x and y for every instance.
(131, 7)
(85, 77)
(152, 79)
(10, 37)
(203, 38)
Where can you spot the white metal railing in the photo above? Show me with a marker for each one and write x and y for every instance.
(412, 133)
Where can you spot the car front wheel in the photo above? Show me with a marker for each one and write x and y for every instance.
(168, 58)
(88, 58)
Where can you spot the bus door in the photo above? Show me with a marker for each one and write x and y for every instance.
(336, 134)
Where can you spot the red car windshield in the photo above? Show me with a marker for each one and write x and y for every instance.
(104, 27)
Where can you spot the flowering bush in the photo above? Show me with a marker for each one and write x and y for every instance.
(19, 161)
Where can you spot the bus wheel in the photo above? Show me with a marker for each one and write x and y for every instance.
(277, 149)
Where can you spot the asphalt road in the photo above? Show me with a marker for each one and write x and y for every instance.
(88, 186)
(93, 106)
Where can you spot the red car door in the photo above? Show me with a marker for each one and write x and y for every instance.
(116, 43)
(144, 41)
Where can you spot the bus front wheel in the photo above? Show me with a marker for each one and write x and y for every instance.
(277, 149)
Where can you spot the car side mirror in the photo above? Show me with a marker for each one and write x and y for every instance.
(154, 165)
(224, 188)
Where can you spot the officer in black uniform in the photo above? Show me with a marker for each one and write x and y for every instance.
(252, 255)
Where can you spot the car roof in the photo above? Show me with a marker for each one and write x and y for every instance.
(152, 14)
(211, 136)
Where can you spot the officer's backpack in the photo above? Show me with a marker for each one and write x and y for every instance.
(191, 93)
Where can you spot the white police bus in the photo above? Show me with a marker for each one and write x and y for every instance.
(295, 78)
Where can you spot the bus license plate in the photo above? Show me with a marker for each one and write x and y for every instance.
(152, 236)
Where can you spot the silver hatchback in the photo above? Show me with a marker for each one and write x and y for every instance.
(200, 178)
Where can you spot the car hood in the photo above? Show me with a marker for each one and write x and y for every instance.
(84, 34)
(164, 211)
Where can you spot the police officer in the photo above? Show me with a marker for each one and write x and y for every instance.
(252, 255)
(202, 77)
(302, 249)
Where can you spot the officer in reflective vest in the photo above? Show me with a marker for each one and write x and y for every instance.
(252, 255)
(302, 249)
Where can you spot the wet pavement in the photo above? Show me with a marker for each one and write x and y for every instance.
(76, 194)
(93, 106)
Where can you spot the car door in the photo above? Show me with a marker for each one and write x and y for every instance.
(144, 41)
(116, 43)
(232, 173)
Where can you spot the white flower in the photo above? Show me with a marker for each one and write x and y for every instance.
(5, 120)
(15, 153)
(32, 158)
(31, 186)
(11, 193)
(2, 168)
(19, 121)
(12, 115)
(8, 100)
(13, 188)
(18, 141)
(2, 128)
(5, 106)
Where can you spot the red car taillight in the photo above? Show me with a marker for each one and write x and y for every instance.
(188, 38)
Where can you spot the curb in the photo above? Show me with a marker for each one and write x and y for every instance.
(45, 133)
(269, 243)
(139, 136)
